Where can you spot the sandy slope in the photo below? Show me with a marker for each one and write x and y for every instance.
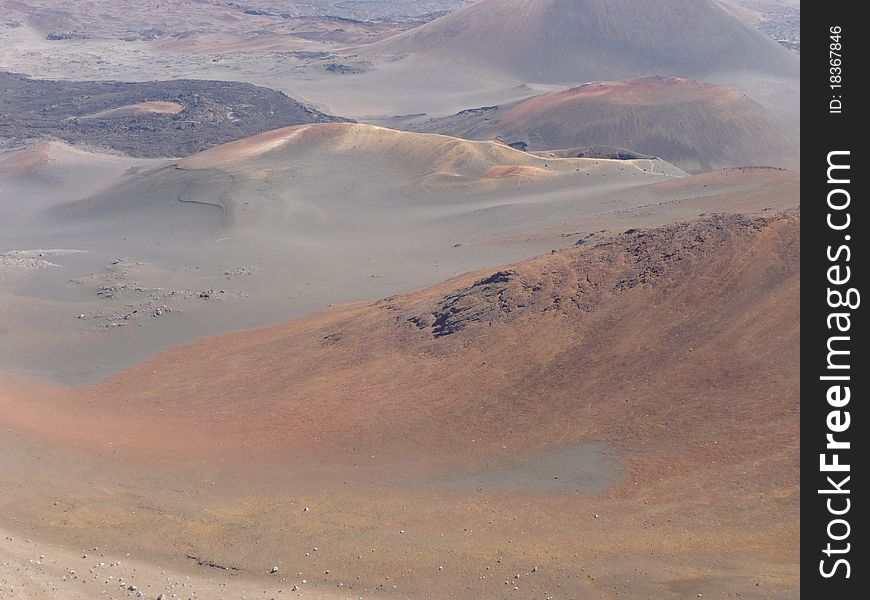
(694, 125)
(567, 41)
(56, 160)
(139, 108)
(419, 165)
(46, 174)
(301, 178)
(407, 426)
(747, 15)
(290, 222)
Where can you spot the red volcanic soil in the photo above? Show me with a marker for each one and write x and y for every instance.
(35, 158)
(696, 126)
(25, 161)
(675, 348)
(648, 90)
(349, 370)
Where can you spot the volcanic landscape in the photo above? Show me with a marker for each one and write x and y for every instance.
(399, 299)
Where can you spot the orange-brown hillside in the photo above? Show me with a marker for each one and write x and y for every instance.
(697, 126)
(635, 320)
(676, 348)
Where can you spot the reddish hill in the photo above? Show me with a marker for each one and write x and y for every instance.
(398, 422)
(695, 125)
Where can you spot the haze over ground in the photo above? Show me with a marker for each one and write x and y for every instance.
(276, 292)
(460, 61)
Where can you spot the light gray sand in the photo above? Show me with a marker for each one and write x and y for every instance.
(173, 254)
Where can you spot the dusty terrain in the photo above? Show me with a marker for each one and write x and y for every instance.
(380, 445)
(490, 52)
(252, 350)
(32, 569)
(266, 229)
(564, 42)
(696, 126)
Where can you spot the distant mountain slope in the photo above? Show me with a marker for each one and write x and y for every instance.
(694, 125)
(307, 176)
(147, 119)
(573, 41)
